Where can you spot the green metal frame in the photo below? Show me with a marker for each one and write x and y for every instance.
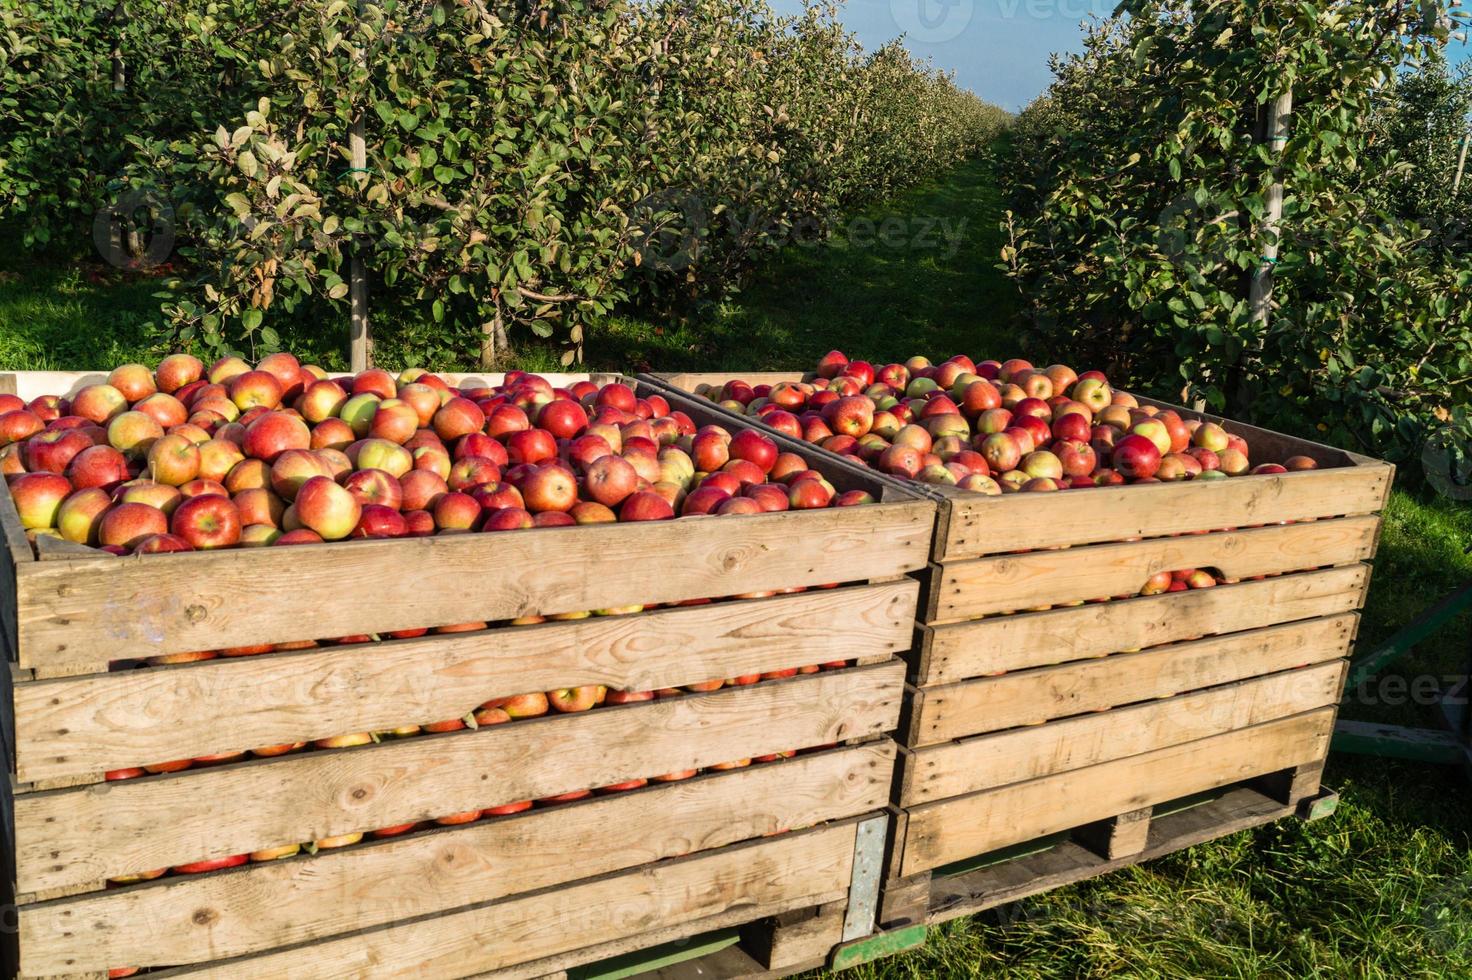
(1451, 745)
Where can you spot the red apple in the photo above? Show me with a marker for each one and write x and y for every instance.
(1136, 457)
(128, 524)
(53, 450)
(207, 521)
(79, 517)
(550, 488)
(273, 434)
(176, 371)
(98, 466)
(646, 506)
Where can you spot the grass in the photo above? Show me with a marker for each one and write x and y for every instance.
(1383, 889)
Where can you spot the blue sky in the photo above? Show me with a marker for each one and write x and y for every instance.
(997, 48)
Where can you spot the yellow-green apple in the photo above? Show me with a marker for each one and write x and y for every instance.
(176, 371)
(258, 535)
(173, 460)
(52, 451)
(433, 459)
(275, 853)
(343, 741)
(380, 454)
(340, 840)
(1042, 464)
(191, 432)
(1211, 436)
(327, 508)
(222, 408)
(207, 521)
(1200, 579)
(358, 412)
(572, 699)
(274, 433)
(127, 525)
(80, 515)
(1093, 392)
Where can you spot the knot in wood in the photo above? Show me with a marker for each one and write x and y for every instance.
(196, 613)
(205, 917)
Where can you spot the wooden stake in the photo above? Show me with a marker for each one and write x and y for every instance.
(360, 355)
(1260, 292)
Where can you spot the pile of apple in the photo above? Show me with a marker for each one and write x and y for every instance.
(993, 427)
(183, 458)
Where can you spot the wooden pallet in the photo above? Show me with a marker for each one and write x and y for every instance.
(1099, 847)
(1033, 707)
(487, 896)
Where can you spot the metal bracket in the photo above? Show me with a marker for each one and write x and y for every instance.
(863, 889)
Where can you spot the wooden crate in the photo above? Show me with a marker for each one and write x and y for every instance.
(500, 893)
(1034, 709)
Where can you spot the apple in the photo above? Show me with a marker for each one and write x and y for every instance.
(1001, 452)
(646, 506)
(97, 466)
(456, 511)
(207, 521)
(159, 495)
(324, 507)
(573, 699)
(80, 514)
(550, 488)
(1295, 464)
(508, 519)
(610, 480)
(292, 469)
(199, 488)
(755, 448)
(1232, 462)
(99, 404)
(254, 389)
(19, 425)
(1209, 435)
(176, 371)
(530, 446)
(274, 433)
(173, 460)
(214, 864)
(1136, 457)
(393, 420)
(259, 507)
(901, 460)
(53, 450)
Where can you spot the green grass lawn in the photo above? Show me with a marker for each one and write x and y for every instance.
(1383, 889)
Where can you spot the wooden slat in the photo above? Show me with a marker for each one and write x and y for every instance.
(952, 830)
(106, 830)
(988, 646)
(814, 866)
(980, 525)
(110, 721)
(1038, 578)
(204, 917)
(1028, 697)
(939, 772)
(86, 612)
